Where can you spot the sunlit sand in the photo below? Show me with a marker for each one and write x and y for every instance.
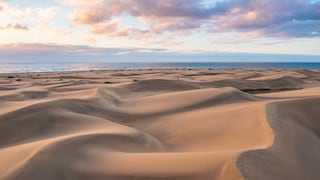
(160, 124)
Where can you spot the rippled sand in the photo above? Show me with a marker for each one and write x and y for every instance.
(161, 124)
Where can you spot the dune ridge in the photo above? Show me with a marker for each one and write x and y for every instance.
(293, 155)
(160, 124)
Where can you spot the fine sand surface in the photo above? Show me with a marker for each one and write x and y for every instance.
(161, 124)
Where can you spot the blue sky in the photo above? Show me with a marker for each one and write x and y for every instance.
(172, 30)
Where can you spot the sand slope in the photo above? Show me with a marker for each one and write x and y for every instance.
(294, 153)
(160, 124)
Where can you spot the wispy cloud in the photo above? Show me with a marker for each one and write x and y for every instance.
(43, 52)
(14, 26)
(15, 17)
(52, 53)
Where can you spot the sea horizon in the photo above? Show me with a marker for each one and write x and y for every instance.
(86, 66)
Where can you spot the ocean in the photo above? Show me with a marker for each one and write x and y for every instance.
(32, 67)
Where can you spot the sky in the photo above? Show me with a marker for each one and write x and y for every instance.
(159, 30)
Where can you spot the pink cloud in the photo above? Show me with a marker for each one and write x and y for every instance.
(271, 17)
(20, 27)
(42, 53)
(2, 5)
(105, 28)
(14, 26)
(162, 16)
(113, 29)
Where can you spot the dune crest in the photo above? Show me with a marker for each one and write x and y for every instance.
(294, 151)
(161, 124)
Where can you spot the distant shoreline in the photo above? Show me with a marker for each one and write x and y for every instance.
(152, 69)
(74, 67)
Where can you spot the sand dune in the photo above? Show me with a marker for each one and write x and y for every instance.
(294, 153)
(160, 124)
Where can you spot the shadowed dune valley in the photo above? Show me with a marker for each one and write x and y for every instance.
(176, 124)
(160, 90)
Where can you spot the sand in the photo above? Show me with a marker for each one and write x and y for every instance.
(161, 124)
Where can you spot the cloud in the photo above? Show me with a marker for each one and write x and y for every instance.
(276, 18)
(2, 5)
(3, 27)
(21, 52)
(26, 18)
(105, 28)
(20, 27)
(296, 18)
(46, 15)
(61, 32)
(14, 26)
(113, 29)
(166, 15)
(53, 53)
(105, 9)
